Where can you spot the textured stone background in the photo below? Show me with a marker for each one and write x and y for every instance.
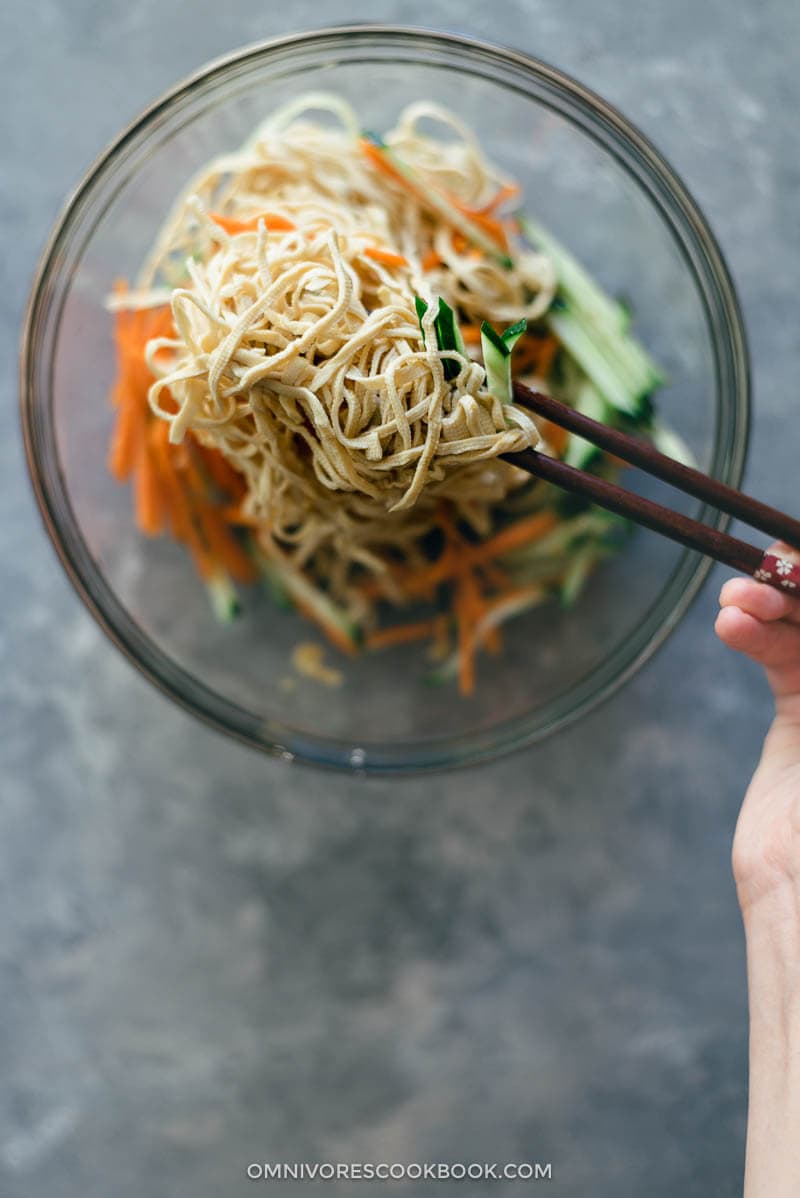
(208, 958)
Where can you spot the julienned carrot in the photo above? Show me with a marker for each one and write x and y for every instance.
(386, 257)
(380, 161)
(132, 331)
(234, 515)
(471, 334)
(489, 224)
(447, 523)
(548, 353)
(534, 353)
(334, 634)
(431, 260)
(555, 436)
(468, 606)
(492, 640)
(272, 220)
(402, 634)
(514, 537)
(124, 447)
(223, 546)
(177, 503)
(422, 582)
(149, 499)
(495, 575)
(506, 192)
(186, 522)
(221, 472)
(170, 481)
(182, 520)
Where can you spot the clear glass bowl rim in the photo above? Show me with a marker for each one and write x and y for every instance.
(647, 169)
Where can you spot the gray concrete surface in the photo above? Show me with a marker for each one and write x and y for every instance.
(208, 958)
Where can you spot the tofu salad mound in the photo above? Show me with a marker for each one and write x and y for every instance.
(314, 383)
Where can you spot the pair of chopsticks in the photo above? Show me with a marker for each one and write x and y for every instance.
(770, 568)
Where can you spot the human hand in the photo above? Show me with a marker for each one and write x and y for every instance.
(764, 624)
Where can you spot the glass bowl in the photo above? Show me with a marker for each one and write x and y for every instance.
(603, 190)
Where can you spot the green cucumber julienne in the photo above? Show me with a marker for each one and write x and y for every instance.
(593, 328)
(497, 349)
(448, 334)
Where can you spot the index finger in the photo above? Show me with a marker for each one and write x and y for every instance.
(760, 600)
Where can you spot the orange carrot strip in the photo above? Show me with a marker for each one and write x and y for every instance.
(451, 563)
(273, 222)
(492, 640)
(338, 639)
(132, 331)
(523, 532)
(385, 256)
(549, 351)
(380, 161)
(234, 515)
(431, 260)
(494, 575)
(223, 545)
(402, 634)
(506, 192)
(181, 518)
(535, 353)
(471, 334)
(125, 439)
(489, 224)
(556, 436)
(221, 472)
(148, 493)
(467, 612)
(424, 581)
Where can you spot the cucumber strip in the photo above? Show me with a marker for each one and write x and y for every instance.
(609, 319)
(619, 392)
(594, 328)
(497, 349)
(443, 673)
(507, 608)
(275, 586)
(620, 352)
(576, 282)
(496, 363)
(448, 331)
(223, 597)
(667, 441)
(432, 197)
(581, 453)
(578, 571)
(512, 334)
(448, 334)
(549, 569)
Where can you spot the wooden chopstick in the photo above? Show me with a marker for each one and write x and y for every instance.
(773, 569)
(640, 453)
